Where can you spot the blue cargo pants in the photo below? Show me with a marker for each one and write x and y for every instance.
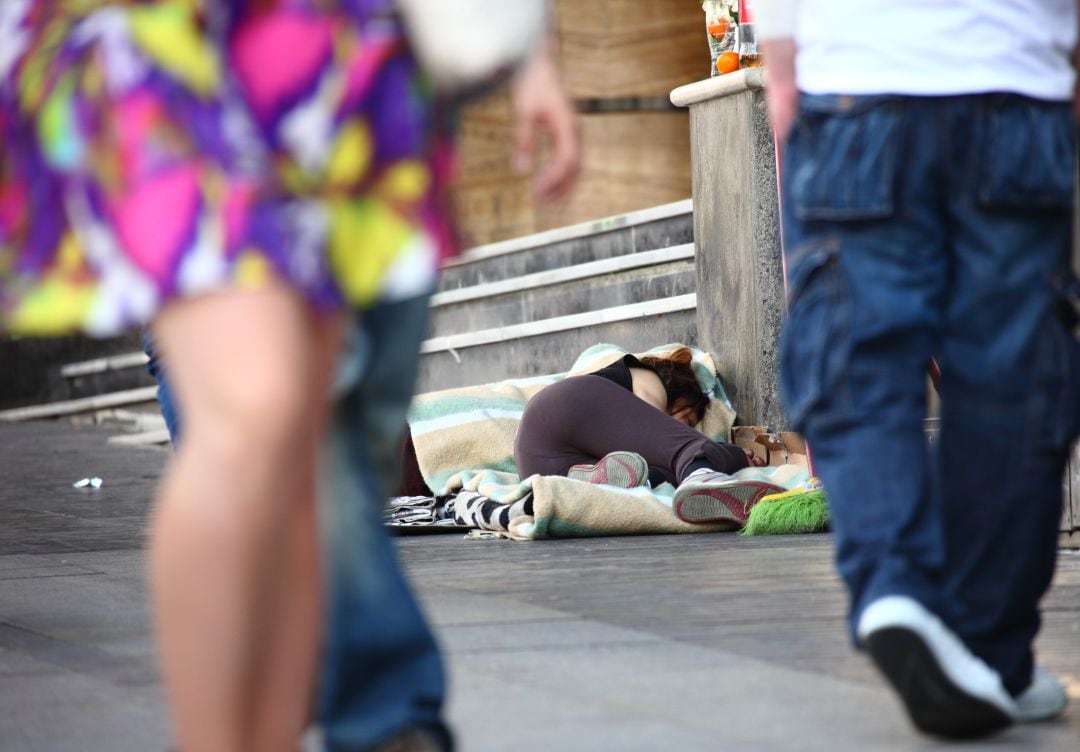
(920, 227)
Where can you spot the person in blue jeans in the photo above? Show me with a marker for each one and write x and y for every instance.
(927, 195)
(382, 673)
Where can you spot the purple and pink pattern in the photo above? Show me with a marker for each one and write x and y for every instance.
(157, 148)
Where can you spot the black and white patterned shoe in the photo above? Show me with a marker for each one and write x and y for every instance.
(947, 690)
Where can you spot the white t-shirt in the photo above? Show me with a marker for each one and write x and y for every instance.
(935, 47)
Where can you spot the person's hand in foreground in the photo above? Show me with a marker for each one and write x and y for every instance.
(540, 103)
(780, 91)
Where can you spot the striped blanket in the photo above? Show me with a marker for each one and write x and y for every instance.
(464, 442)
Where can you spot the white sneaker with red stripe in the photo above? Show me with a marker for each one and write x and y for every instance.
(619, 469)
(709, 496)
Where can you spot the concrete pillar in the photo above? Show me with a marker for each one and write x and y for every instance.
(740, 296)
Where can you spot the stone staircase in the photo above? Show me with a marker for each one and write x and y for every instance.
(521, 307)
(530, 305)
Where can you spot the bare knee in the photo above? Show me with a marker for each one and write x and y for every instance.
(261, 415)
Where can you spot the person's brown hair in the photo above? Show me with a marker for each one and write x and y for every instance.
(680, 383)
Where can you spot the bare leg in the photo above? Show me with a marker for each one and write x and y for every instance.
(294, 618)
(223, 558)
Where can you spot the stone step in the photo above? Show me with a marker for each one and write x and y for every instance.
(155, 437)
(646, 300)
(592, 286)
(536, 348)
(644, 230)
(30, 367)
(103, 365)
(461, 322)
(133, 376)
(528, 348)
(107, 374)
(86, 404)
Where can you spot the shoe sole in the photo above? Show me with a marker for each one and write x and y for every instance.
(936, 705)
(728, 504)
(620, 469)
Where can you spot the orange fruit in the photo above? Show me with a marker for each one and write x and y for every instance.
(727, 62)
(718, 27)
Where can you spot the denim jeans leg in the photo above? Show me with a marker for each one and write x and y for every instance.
(867, 273)
(165, 398)
(382, 671)
(1011, 373)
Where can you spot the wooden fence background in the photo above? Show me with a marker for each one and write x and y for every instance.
(620, 59)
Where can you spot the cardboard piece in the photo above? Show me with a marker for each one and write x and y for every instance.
(782, 448)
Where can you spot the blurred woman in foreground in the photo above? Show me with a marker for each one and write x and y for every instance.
(238, 173)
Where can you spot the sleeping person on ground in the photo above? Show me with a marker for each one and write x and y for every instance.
(630, 424)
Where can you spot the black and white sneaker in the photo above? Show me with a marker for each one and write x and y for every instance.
(947, 690)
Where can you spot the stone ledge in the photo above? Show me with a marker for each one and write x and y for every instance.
(572, 232)
(718, 87)
(649, 308)
(560, 275)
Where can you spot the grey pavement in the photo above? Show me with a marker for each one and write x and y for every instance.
(698, 642)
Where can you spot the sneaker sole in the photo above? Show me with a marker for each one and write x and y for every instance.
(729, 504)
(935, 704)
(620, 469)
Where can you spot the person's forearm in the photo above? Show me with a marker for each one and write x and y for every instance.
(1076, 65)
(541, 104)
(776, 38)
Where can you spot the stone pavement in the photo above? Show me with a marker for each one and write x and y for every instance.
(710, 642)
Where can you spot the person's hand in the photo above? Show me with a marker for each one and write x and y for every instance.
(753, 459)
(780, 91)
(540, 102)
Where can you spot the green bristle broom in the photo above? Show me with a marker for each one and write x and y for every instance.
(803, 509)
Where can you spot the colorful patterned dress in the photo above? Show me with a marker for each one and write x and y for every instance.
(172, 147)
